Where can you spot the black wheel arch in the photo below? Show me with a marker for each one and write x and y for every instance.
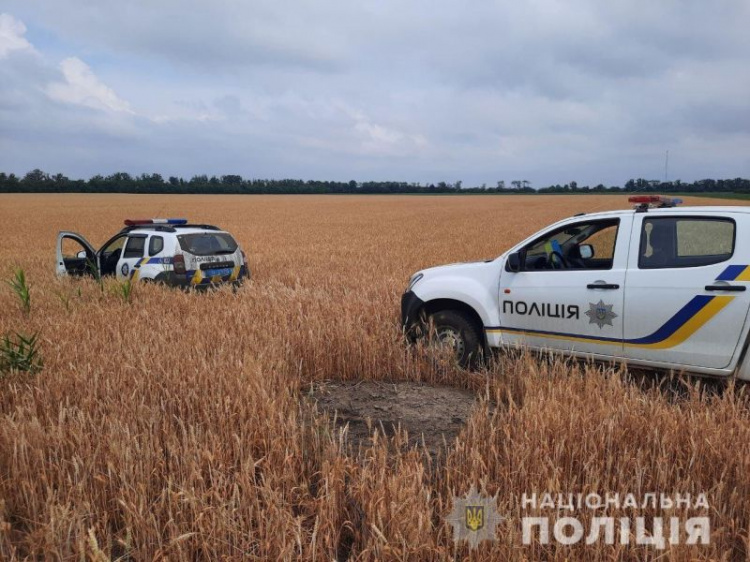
(437, 305)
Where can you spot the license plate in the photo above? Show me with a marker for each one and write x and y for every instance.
(222, 272)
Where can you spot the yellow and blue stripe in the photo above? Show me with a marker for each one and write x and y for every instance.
(552, 246)
(134, 273)
(194, 276)
(735, 273)
(675, 331)
(199, 277)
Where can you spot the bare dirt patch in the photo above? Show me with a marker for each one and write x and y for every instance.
(430, 414)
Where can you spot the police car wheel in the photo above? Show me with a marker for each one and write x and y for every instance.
(453, 329)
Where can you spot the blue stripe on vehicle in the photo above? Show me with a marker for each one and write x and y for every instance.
(731, 273)
(159, 260)
(673, 324)
(684, 315)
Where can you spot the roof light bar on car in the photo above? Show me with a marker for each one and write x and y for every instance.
(646, 201)
(138, 222)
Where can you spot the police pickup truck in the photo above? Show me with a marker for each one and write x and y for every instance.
(168, 251)
(658, 286)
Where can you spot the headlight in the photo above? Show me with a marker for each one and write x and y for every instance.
(414, 280)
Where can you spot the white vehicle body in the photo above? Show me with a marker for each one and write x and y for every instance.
(176, 254)
(672, 294)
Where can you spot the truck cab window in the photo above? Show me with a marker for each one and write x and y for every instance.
(579, 246)
(671, 242)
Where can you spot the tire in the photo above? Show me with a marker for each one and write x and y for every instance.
(455, 328)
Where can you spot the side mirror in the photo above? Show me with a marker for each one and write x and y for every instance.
(586, 251)
(81, 254)
(514, 262)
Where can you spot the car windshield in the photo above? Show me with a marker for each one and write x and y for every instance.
(207, 243)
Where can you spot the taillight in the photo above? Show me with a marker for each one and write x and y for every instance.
(179, 263)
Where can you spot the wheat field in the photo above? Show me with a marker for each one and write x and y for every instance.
(174, 426)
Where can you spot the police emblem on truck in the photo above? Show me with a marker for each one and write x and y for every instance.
(600, 314)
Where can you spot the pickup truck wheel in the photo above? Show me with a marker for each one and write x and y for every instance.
(453, 329)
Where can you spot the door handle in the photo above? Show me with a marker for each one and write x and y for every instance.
(608, 286)
(735, 288)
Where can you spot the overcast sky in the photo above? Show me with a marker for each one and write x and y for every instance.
(419, 91)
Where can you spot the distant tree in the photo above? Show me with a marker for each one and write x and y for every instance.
(35, 181)
(231, 180)
(35, 176)
(122, 182)
(97, 184)
(60, 183)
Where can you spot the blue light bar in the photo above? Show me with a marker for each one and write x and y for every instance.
(138, 222)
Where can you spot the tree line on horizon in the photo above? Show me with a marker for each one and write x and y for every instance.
(37, 181)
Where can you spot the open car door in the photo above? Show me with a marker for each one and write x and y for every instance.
(75, 256)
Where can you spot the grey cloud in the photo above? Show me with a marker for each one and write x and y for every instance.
(230, 105)
(548, 91)
(209, 36)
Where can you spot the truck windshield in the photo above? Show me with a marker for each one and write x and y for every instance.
(207, 243)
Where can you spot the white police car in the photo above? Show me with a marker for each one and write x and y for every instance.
(169, 251)
(655, 286)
